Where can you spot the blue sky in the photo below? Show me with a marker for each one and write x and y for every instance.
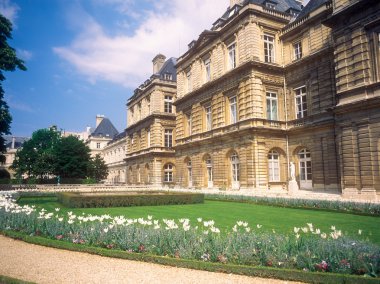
(85, 57)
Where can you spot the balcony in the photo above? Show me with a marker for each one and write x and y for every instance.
(253, 123)
(151, 150)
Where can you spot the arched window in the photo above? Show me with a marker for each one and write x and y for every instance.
(305, 167)
(168, 173)
(235, 167)
(274, 166)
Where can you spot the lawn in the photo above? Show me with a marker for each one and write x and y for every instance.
(225, 215)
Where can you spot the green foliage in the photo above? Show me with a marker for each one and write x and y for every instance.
(10, 280)
(282, 220)
(4, 174)
(36, 157)
(360, 208)
(71, 158)
(97, 168)
(8, 62)
(265, 272)
(244, 246)
(119, 199)
(47, 154)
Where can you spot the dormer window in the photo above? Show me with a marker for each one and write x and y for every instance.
(232, 12)
(293, 13)
(270, 4)
(168, 76)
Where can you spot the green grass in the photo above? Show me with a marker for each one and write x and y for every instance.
(225, 215)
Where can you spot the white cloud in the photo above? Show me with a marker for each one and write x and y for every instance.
(125, 59)
(24, 54)
(9, 10)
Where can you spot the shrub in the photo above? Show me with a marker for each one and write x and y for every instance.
(4, 174)
(109, 199)
(371, 209)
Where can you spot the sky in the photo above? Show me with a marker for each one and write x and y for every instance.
(86, 57)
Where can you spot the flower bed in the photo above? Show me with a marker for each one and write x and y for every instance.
(308, 249)
(125, 199)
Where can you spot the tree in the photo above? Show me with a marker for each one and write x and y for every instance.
(98, 169)
(72, 158)
(8, 62)
(36, 157)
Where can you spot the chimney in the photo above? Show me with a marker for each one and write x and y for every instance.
(158, 62)
(234, 2)
(99, 119)
(13, 142)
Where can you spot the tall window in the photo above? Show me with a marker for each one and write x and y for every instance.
(274, 166)
(269, 48)
(168, 173)
(375, 54)
(209, 168)
(168, 104)
(272, 106)
(305, 165)
(168, 138)
(97, 145)
(231, 56)
(297, 50)
(208, 111)
(189, 82)
(139, 110)
(301, 103)
(148, 138)
(138, 175)
(148, 104)
(235, 167)
(189, 171)
(233, 110)
(189, 124)
(207, 63)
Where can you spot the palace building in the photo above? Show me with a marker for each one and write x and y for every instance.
(150, 132)
(272, 83)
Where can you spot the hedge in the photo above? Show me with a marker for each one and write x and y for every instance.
(263, 272)
(127, 199)
(10, 280)
(351, 207)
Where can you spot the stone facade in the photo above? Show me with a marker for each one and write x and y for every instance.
(150, 131)
(114, 154)
(356, 36)
(263, 89)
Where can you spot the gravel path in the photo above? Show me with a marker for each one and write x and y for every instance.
(48, 265)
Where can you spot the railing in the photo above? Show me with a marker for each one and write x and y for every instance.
(241, 125)
(149, 150)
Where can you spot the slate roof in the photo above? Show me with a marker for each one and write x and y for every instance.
(168, 68)
(19, 141)
(283, 6)
(311, 6)
(105, 129)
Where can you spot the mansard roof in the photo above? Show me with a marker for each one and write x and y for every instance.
(105, 129)
(168, 72)
(311, 6)
(284, 6)
(118, 137)
(168, 68)
(19, 141)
